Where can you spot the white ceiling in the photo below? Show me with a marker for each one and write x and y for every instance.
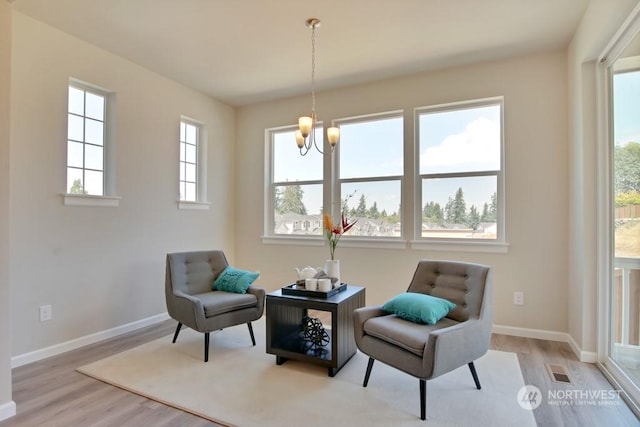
(246, 51)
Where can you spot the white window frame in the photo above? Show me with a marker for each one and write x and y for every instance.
(607, 64)
(336, 185)
(497, 245)
(201, 166)
(410, 192)
(108, 197)
(269, 236)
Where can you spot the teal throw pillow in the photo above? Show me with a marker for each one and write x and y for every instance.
(418, 308)
(234, 280)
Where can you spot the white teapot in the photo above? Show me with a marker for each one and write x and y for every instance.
(306, 273)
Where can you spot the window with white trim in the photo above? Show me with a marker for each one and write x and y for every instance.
(370, 170)
(192, 165)
(189, 141)
(460, 158)
(86, 140)
(295, 192)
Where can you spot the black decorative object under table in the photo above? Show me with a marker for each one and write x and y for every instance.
(288, 319)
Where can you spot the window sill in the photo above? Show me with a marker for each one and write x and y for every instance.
(461, 246)
(386, 243)
(376, 243)
(88, 200)
(193, 205)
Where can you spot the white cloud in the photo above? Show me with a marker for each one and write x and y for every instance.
(479, 143)
(625, 138)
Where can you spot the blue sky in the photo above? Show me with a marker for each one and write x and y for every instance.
(461, 140)
(626, 107)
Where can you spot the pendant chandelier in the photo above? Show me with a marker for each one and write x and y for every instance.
(306, 135)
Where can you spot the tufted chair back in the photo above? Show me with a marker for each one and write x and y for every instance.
(460, 283)
(194, 272)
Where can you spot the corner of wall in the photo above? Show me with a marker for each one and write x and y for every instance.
(583, 356)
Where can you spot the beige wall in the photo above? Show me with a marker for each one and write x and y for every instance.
(101, 268)
(598, 26)
(535, 92)
(7, 406)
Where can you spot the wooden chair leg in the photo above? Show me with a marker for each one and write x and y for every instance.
(366, 376)
(253, 339)
(423, 400)
(175, 336)
(472, 368)
(206, 346)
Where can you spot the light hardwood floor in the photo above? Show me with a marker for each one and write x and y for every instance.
(51, 393)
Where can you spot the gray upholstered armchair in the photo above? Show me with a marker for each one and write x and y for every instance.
(192, 302)
(427, 351)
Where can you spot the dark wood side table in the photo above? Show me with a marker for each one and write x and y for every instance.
(284, 324)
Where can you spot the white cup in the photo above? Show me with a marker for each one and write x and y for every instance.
(311, 284)
(324, 285)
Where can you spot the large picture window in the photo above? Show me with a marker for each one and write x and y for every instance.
(454, 177)
(296, 189)
(371, 168)
(460, 171)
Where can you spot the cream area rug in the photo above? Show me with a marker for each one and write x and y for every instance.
(241, 385)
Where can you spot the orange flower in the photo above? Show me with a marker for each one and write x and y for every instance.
(328, 223)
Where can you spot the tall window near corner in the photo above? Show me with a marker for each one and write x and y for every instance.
(86, 138)
(295, 191)
(189, 148)
(370, 174)
(460, 171)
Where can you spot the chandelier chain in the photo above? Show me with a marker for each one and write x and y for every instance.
(313, 71)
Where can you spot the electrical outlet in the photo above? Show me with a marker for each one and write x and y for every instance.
(518, 298)
(46, 313)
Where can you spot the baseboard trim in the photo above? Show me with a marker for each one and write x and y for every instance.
(531, 333)
(34, 356)
(7, 410)
(583, 356)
